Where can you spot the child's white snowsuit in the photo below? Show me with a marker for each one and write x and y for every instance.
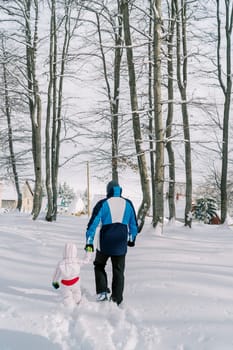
(68, 271)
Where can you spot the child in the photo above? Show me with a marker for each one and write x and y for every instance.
(68, 271)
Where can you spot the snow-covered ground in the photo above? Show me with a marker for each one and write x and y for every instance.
(178, 290)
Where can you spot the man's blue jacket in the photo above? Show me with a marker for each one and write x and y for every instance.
(118, 223)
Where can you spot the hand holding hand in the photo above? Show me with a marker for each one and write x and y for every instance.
(131, 243)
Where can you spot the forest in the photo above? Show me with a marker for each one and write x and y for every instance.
(144, 85)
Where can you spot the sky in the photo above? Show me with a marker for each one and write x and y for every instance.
(178, 289)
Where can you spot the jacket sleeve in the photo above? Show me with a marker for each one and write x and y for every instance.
(133, 225)
(94, 222)
(57, 273)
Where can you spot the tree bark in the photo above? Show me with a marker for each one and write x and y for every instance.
(49, 214)
(170, 112)
(54, 115)
(145, 205)
(158, 215)
(116, 100)
(54, 105)
(34, 102)
(182, 65)
(7, 110)
(227, 91)
(113, 98)
(151, 105)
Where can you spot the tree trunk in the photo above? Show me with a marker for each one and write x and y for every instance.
(10, 132)
(49, 213)
(170, 152)
(150, 102)
(115, 107)
(113, 100)
(182, 56)
(145, 205)
(34, 103)
(55, 89)
(158, 215)
(227, 90)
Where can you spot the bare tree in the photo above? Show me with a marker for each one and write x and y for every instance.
(182, 78)
(145, 205)
(113, 97)
(25, 16)
(151, 104)
(7, 112)
(225, 80)
(55, 97)
(31, 39)
(51, 211)
(170, 112)
(158, 215)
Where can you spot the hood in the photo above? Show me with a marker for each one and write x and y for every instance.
(110, 185)
(70, 251)
(114, 191)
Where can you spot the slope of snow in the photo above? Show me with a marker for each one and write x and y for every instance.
(178, 290)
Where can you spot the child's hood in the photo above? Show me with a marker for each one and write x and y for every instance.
(70, 251)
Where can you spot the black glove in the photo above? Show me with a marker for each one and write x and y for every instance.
(89, 248)
(55, 285)
(131, 243)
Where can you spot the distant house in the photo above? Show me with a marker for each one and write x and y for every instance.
(8, 196)
(27, 198)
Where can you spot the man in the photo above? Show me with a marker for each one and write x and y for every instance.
(118, 229)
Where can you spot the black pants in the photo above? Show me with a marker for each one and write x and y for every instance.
(101, 280)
